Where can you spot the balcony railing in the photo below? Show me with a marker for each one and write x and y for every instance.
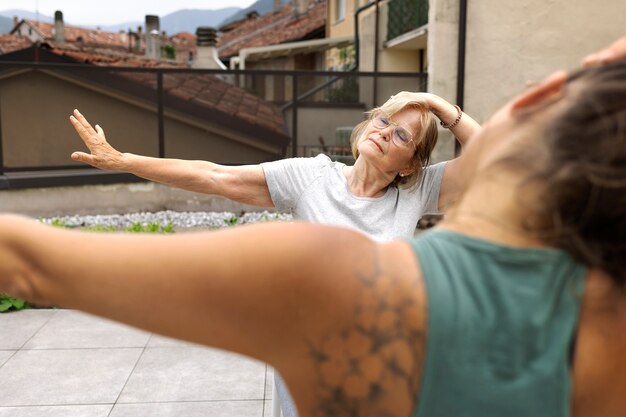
(318, 108)
(405, 16)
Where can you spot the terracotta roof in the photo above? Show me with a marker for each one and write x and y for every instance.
(74, 34)
(104, 56)
(205, 90)
(10, 43)
(209, 91)
(273, 28)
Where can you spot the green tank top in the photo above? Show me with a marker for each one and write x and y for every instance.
(501, 326)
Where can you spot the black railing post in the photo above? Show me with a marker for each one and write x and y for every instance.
(460, 72)
(160, 116)
(294, 116)
(1, 154)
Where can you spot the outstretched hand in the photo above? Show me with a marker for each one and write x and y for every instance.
(102, 155)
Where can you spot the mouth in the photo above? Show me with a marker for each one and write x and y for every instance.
(377, 144)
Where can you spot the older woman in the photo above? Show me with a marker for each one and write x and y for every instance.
(383, 194)
(493, 313)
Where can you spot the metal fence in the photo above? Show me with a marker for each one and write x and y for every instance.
(405, 16)
(318, 109)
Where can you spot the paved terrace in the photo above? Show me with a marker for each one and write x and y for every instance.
(62, 363)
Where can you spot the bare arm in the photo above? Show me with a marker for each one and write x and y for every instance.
(447, 113)
(463, 130)
(340, 317)
(244, 184)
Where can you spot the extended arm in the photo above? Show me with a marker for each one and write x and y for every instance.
(340, 317)
(244, 184)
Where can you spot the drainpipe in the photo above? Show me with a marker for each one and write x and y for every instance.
(358, 11)
(460, 71)
(376, 36)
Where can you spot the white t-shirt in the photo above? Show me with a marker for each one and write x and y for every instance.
(316, 190)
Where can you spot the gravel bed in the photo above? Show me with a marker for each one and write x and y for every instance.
(179, 220)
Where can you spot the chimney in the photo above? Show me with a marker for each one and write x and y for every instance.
(206, 49)
(299, 7)
(15, 21)
(277, 5)
(59, 27)
(153, 39)
(139, 39)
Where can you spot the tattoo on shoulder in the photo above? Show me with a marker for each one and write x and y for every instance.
(374, 367)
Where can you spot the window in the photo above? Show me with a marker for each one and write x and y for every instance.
(341, 9)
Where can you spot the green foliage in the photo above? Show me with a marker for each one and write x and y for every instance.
(232, 221)
(8, 303)
(154, 227)
(57, 222)
(168, 51)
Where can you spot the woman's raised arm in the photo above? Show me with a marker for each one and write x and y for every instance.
(330, 309)
(244, 184)
(462, 125)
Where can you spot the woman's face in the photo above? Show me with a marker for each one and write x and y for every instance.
(377, 144)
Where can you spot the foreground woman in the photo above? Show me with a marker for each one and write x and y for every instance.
(493, 313)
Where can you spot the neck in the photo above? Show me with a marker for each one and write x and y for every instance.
(365, 180)
(493, 209)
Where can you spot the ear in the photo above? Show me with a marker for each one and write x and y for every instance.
(541, 93)
(406, 171)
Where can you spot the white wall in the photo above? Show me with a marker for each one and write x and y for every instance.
(512, 42)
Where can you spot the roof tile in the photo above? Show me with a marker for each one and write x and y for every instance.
(273, 28)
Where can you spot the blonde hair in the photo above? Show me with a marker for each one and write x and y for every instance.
(425, 140)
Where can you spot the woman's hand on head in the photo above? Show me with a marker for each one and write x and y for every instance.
(102, 155)
(613, 52)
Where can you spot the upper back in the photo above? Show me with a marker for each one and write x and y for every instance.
(600, 359)
(501, 323)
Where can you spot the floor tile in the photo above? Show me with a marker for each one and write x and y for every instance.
(269, 382)
(65, 377)
(191, 409)
(5, 355)
(70, 329)
(19, 326)
(57, 411)
(194, 374)
(162, 341)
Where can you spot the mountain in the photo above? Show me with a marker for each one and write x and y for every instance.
(185, 20)
(260, 6)
(6, 24)
(24, 14)
(189, 20)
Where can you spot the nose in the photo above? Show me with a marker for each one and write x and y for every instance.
(386, 132)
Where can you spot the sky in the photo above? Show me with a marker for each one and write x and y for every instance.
(110, 12)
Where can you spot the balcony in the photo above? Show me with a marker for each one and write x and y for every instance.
(406, 18)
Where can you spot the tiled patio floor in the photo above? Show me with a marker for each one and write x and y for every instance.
(62, 363)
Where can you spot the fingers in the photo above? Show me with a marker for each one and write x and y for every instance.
(83, 157)
(613, 52)
(83, 122)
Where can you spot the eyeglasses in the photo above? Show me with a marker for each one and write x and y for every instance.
(401, 137)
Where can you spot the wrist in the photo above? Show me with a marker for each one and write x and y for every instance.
(449, 122)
